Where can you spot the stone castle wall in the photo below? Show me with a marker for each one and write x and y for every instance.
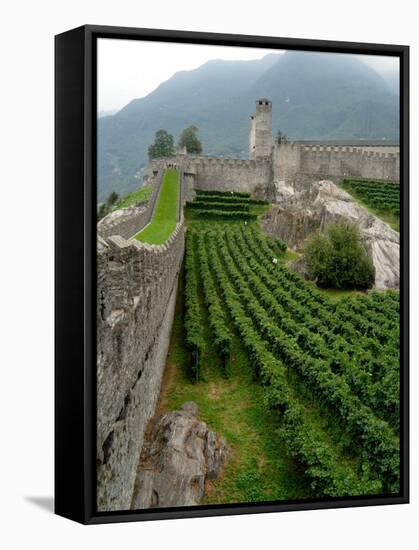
(136, 295)
(328, 161)
(127, 222)
(216, 173)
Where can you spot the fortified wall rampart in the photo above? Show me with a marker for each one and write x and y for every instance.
(328, 161)
(136, 295)
(217, 173)
(129, 221)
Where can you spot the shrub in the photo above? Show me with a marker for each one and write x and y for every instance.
(281, 245)
(338, 259)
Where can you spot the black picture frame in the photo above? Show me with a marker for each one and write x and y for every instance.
(75, 246)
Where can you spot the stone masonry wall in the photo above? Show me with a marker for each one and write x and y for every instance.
(334, 162)
(127, 222)
(216, 173)
(136, 295)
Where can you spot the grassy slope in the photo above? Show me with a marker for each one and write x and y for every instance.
(140, 195)
(259, 468)
(385, 215)
(164, 219)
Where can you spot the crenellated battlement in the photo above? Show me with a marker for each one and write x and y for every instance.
(342, 150)
(335, 161)
(211, 172)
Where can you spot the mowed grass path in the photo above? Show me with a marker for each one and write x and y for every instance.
(164, 219)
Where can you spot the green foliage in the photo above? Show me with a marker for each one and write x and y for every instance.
(337, 259)
(226, 206)
(277, 245)
(280, 137)
(111, 200)
(193, 322)
(102, 211)
(229, 199)
(222, 193)
(235, 215)
(163, 145)
(271, 365)
(140, 195)
(165, 214)
(217, 319)
(189, 139)
(233, 406)
(329, 371)
(106, 207)
(382, 197)
(281, 245)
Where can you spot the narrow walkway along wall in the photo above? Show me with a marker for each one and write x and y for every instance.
(136, 296)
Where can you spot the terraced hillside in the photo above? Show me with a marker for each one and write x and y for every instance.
(304, 389)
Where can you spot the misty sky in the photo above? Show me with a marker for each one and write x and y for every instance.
(130, 69)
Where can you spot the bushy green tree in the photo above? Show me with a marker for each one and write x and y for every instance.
(337, 258)
(189, 139)
(112, 198)
(102, 211)
(106, 207)
(163, 146)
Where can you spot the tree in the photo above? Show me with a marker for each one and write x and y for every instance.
(106, 207)
(102, 211)
(163, 145)
(112, 198)
(281, 138)
(189, 139)
(337, 259)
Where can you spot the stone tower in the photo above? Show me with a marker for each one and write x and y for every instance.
(260, 138)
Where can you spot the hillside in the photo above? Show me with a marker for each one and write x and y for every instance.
(315, 96)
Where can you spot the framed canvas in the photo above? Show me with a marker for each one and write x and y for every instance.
(231, 274)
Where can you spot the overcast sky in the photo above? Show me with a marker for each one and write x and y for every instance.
(130, 69)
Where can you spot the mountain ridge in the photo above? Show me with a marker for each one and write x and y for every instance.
(314, 96)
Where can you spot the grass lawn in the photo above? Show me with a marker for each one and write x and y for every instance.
(164, 219)
(140, 195)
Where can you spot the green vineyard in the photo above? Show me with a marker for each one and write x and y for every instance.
(328, 370)
(382, 197)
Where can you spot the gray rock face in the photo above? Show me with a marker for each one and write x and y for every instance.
(304, 207)
(180, 454)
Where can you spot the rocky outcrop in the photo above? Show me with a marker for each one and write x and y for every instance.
(303, 207)
(180, 454)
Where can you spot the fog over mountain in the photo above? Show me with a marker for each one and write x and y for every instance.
(314, 96)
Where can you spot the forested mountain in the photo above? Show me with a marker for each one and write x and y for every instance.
(314, 96)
